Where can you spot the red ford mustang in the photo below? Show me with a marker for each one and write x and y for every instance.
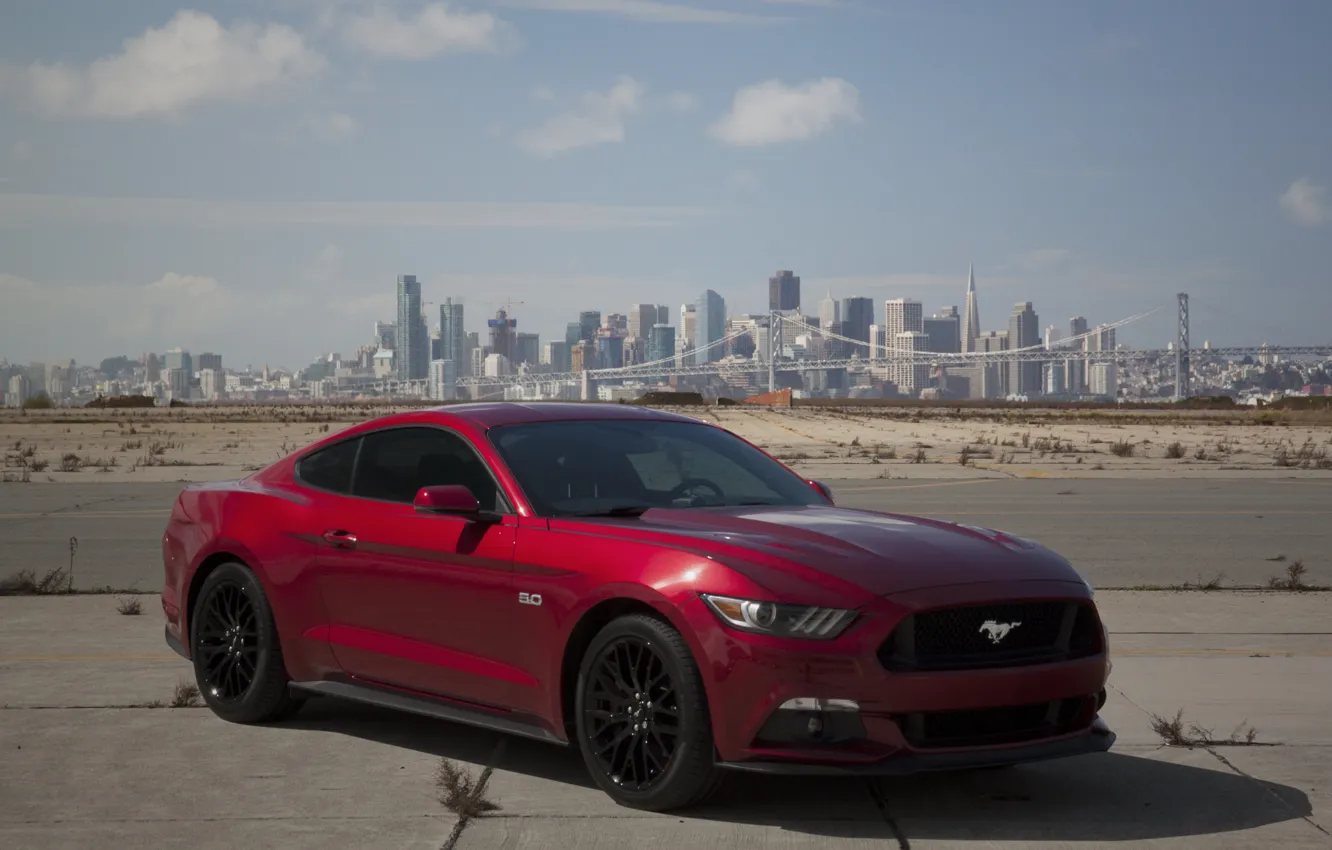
(648, 587)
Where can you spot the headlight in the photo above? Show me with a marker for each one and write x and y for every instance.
(779, 619)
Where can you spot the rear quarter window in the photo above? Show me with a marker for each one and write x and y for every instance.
(330, 468)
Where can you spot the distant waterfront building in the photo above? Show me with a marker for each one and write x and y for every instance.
(710, 326)
(971, 314)
(857, 317)
(1024, 331)
(1075, 371)
(944, 331)
(784, 291)
(527, 349)
(660, 343)
(1103, 379)
(443, 380)
(558, 356)
(412, 346)
(452, 333)
(911, 377)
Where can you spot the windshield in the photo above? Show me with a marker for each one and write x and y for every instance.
(614, 466)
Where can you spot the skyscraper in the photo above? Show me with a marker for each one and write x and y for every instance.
(688, 334)
(1075, 371)
(944, 332)
(412, 347)
(1024, 331)
(971, 317)
(502, 335)
(857, 316)
(710, 325)
(453, 336)
(641, 319)
(784, 291)
(829, 312)
(588, 322)
(660, 342)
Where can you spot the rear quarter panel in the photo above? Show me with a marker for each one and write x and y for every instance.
(274, 531)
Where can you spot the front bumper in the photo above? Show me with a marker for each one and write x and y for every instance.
(1097, 739)
(907, 721)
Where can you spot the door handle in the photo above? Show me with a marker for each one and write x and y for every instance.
(340, 539)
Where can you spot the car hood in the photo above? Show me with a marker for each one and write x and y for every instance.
(877, 552)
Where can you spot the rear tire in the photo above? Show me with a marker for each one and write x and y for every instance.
(641, 717)
(237, 656)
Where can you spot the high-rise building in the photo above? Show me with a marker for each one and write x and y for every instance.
(911, 376)
(784, 291)
(710, 326)
(688, 334)
(663, 314)
(829, 312)
(453, 335)
(588, 322)
(443, 380)
(583, 356)
(944, 332)
(660, 343)
(857, 316)
(179, 360)
(412, 346)
(610, 349)
(971, 314)
(208, 360)
(559, 356)
(902, 315)
(526, 349)
(502, 336)
(641, 319)
(1024, 331)
(1103, 379)
(1075, 371)
(386, 335)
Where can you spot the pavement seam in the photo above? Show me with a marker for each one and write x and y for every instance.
(881, 803)
(1228, 763)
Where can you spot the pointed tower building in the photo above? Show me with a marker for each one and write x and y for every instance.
(970, 318)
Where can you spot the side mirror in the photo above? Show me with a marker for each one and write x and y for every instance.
(823, 489)
(446, 499)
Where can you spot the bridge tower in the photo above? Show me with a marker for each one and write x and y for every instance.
(774, 347)
(1182, 349)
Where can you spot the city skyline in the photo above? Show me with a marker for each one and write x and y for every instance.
(1090, 165)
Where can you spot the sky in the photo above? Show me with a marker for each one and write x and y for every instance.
(250, 177)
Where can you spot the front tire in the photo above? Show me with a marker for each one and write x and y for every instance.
(641, 716)
(238, 662)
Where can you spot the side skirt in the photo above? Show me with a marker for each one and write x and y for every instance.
(427, 706)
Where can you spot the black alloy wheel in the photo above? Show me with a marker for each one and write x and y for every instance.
(642, 719)
(238, 662)
(227, 643)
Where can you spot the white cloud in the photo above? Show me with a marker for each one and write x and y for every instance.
(653, 11)
(437, 28)
(597, 119)
(190, 60)
(772, 112)
(25, 210)
(1304, 203)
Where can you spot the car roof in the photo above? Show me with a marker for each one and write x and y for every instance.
(495, 414)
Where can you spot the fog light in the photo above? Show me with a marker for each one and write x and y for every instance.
(816, 704)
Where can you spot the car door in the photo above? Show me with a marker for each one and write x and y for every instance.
(419, 601)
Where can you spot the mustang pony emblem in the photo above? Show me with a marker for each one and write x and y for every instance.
(997, 631)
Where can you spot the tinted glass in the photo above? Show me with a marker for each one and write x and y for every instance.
(330, 468)
(397, 462)
(577, 467)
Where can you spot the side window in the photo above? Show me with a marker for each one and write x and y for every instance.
(397, 462)
(330, 468)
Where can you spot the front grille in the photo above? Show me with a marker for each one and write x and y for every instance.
(999, 635)
(996, 726)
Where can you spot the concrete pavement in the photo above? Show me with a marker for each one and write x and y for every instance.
(86, 765)
(1118, 532)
